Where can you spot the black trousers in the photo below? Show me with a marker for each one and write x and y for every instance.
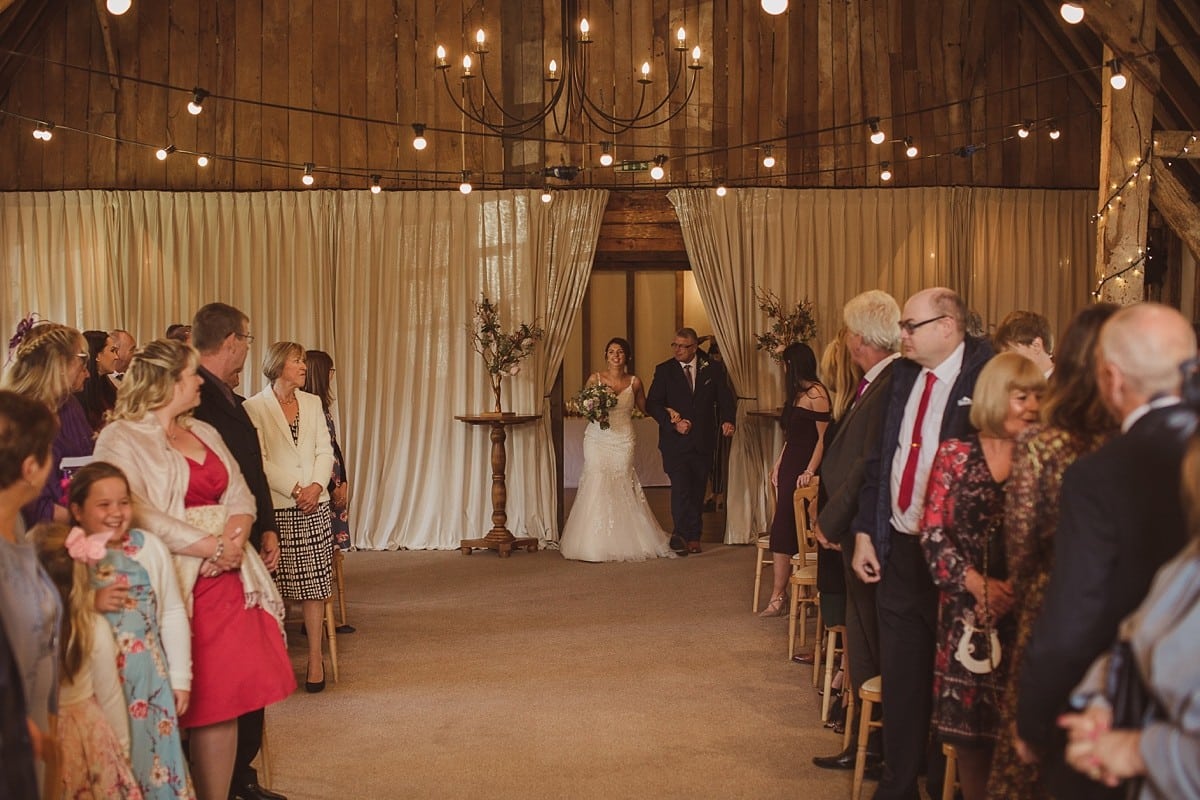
(689, 479)
(862, 624)
(907, 604)
(250, 733)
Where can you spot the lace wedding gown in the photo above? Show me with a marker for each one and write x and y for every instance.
(611, 520)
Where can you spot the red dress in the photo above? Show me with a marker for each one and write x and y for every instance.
(239, 661)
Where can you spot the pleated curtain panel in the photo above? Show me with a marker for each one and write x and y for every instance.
(386, 283)
(1002, 249)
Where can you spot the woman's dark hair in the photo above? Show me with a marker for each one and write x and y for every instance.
(1072, 396)
(96, 342)
(624, 346)
(800, 375)
(87, 475)
(317, 381)
(99, 394)
(27, 428)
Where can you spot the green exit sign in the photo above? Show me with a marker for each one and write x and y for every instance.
(633, 166)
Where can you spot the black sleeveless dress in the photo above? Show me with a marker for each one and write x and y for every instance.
(800, 426)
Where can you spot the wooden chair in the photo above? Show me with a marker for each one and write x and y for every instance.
(339, 583)
(331, 634)
(803, 583)
(833, 634)
(762, 555)
(950, 776)
(870, 693)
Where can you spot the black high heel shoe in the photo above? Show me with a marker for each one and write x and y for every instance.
(312, 687)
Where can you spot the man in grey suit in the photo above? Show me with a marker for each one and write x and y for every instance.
(873, 338)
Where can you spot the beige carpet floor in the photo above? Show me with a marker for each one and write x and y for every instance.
(536, 677)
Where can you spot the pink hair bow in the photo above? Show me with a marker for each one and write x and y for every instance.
(87, 547)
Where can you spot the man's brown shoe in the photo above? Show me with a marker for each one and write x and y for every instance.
(693, 547)
(803, 658)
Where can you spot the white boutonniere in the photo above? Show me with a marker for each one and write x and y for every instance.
(964, 401)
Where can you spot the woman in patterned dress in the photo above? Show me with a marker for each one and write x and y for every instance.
(962, 536)
(320, 382)
(1076, 423)
(298, 461)
(151, 629)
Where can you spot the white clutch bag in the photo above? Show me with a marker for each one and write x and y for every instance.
(210, 519)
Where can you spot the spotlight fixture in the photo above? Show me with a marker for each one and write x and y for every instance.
(606, 156)
(885, 171)
(162, 152)
(1023, 131)
(657, 171)
(546, 198)
(419, 141)
(1054, 132)
(44, 131)
(307, 178)
(910, 149)
(201, 160)
(375, 187)
(774, 7)
(721, 190)
(118, 7)
(1071, 12)
(465, 186)
(877, 135)
(1117, 80)
(197, 102)
(768, 156)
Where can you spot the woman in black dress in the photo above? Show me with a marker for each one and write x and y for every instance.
(804, 421)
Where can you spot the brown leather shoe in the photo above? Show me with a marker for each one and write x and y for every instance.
(693, 547)
(803, 658)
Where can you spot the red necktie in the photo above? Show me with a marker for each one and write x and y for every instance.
(862, 387)
(909, 476)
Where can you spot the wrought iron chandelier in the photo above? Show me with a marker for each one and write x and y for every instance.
(565, 94)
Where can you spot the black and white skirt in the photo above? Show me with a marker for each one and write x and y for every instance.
(305, 553)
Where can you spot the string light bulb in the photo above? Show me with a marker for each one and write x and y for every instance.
(774, 7)
(885, 171)
(465, 187)
(910, 149)
(1117, 79)
(606, 156)
(201, 160)
(1071, 12)
(546, 197)
(196, 104)
(657, 172)
(877, 135)
(1054, 133)
(307, 178)
(721, 190)
(1023, 131)
(375, 187)
(768, 156)
(419, 141)
(162, 152)
(118, 7)
(44, 131)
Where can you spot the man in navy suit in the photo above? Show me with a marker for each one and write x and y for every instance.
(930, 402)
(222, 335)
(1121, 519)
(688, 396)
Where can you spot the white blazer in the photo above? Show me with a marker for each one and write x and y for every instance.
(285, 462)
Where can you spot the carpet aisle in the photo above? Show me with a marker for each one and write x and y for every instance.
(534, 677)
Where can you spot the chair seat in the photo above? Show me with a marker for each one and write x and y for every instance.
(872, 689)
(805, 576)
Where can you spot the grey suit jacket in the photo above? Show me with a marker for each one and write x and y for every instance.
(843, 466)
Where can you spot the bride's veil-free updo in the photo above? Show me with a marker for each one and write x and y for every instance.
(150, 380)
(624, 345)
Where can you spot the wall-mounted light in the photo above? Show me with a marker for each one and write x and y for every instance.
(196, 105)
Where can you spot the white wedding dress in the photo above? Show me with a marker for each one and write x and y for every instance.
(611, 520)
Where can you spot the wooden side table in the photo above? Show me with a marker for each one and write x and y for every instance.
(499, 538)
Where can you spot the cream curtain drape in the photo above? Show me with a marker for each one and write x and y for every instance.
(1001, 248)
(384, 282)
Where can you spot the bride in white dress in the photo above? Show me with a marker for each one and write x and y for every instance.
(611, 520)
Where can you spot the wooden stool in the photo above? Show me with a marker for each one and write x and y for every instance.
(871, 692)
(832, 636)
(803, 591)
(339, 580)
(331, 633)
(264, 758)
(803, 583)
(762, 556)
(950, 777)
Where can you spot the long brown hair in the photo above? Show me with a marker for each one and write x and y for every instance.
(74, 586)
(320, 372)
(1073, 400)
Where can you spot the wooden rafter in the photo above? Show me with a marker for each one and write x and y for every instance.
(1178, 210)
(1075, 60)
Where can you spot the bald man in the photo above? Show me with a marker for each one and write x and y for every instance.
(1121, 519)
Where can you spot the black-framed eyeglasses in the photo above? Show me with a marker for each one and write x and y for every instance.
(249, 339)
(910, 327)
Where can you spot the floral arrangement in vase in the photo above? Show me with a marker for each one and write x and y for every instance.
(593, 403)
(502, 352)
(787, 327)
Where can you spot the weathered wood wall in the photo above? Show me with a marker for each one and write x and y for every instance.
(806, 79)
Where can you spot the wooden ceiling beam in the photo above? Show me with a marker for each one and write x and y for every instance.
(1074, 62)
(1177, 144)
(1175, 203)
(1120, 24)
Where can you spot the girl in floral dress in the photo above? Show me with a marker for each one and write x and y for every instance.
(152, 635)
(92, 724)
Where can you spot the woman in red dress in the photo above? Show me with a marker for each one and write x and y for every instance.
(189, 492)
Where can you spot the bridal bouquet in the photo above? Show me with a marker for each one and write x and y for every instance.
(797, 325)
(594, 402)
(502, 352)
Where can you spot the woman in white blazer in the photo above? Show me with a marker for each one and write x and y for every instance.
(298, 461)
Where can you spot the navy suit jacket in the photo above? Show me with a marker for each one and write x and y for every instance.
(710, 405)
(875, 502)
(241, 437)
